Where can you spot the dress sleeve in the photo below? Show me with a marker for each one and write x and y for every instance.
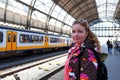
(88, 66)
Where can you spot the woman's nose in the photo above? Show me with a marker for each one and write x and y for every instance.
(76, 34)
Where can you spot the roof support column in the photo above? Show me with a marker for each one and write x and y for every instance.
(31, 9)
(5, 10)
(49, 17)
(106, 9)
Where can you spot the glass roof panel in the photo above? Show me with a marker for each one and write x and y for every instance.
(106, 8)
(17, 7)
(26, 1)
(39, 16)
(43, 5)
(61, 14)
(56, 11)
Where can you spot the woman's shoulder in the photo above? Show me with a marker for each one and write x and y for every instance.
(90, 44)
(90, 51)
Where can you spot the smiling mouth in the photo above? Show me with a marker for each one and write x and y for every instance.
(77, 39)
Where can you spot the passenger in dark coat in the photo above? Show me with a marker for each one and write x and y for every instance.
(110, 46)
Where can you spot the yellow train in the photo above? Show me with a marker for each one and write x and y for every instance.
(14, 41)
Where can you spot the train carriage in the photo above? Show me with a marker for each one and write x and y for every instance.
(14, 41)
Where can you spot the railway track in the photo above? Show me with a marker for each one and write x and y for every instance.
(13, 71)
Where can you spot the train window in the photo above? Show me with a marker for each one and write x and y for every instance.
(63, 40)
(53, 40)
(9, 37)
(14, 38)
(24, 38)
(60, 40)
(41, 39)
(56, 40)
(1, 37)
(33, 38)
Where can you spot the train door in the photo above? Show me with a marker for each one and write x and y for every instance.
(11, 41)
(14, 40)
(46, 41)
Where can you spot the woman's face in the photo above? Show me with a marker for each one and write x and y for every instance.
(79, 33)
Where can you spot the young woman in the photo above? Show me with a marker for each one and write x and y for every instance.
(82, 67)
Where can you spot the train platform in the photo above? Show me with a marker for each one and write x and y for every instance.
(38, 72)
(112, 63)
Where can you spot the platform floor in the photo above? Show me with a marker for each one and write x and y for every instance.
(112, 63)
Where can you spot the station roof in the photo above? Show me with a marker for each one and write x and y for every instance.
(79, 9)
(117, 12)
(91, 10)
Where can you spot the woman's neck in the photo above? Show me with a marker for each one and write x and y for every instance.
(77, 45)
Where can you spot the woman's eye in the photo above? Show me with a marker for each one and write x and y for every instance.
(73, 31)
(80, 31)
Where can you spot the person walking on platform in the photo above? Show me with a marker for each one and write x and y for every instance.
(108, 42)
(110, 46)
(81, 64)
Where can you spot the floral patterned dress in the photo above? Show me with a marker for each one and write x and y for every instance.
(84, 67)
